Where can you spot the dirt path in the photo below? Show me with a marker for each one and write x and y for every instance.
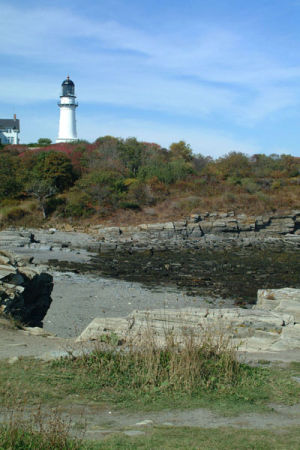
(100, 423)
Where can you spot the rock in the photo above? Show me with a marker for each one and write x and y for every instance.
(15, 238)
(133, 433)
(289, 339)
(104, 326)
(13, 360)
(36, 331)
(6, 271)
(280, 300)
(25, 292)
(144, 423)
(4, 260)
(251, 330)
(221, 226)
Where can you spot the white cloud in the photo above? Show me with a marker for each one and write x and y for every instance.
(209, 69)
(207, 142)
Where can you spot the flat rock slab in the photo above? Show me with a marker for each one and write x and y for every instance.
(252, 330)
(285, 300)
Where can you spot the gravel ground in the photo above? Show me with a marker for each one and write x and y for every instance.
(78, 299)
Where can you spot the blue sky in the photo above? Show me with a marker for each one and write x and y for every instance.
(223, 75)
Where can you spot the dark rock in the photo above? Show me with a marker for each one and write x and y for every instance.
(25, 293)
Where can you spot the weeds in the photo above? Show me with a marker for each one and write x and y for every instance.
(42, 429)
(10, 322)
(140, 374)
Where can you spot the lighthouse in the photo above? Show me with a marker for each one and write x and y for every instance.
(67, 105)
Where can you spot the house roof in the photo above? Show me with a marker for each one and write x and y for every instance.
(10, 123)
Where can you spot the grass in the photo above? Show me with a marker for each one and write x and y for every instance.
(206, 439)
(149, 377)
(143, 376)
(38, 429)
(157, 438)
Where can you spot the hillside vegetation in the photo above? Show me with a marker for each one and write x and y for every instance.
(117, 180)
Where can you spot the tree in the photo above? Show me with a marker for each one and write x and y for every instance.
(235, 165)
(44, 141)
(181, 150)
(9, 186)
(55, 168)
(42, 190)
(130, 152)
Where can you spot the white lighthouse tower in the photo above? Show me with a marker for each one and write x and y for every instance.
(67, 105)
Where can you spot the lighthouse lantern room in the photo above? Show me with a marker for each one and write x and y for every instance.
(67, 105)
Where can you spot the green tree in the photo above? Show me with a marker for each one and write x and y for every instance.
(104, 187)
(167, 173)
(131, 152)
(55, 168)
(9, 186)
(44, 141)
(181, 150)
(235, 165)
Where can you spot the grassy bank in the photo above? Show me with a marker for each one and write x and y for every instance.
(163, 438)
(149, 378)
(205, 439)
(141, 376)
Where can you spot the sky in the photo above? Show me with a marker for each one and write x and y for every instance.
(222, 75)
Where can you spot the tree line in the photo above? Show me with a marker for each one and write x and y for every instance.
(83, 179)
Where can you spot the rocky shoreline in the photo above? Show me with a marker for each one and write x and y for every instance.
(204, 230)
(271, 327)
(213, 261)
(208, 255)
(210, 230)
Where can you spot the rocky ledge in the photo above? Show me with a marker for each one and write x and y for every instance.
(208, 229)
(25, 292)
(196, 231)
(272, 325)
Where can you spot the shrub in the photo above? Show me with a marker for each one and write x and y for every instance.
(250, 185)
(39, 430)
(167, 173)
(78, 204)
(9, 185)
(54, 204)
(15, 213)
(188, 364)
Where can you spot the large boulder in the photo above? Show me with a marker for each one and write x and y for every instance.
(251, 330)
(25, 292)
(285, 300)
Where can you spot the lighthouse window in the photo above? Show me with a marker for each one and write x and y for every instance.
(67, 90)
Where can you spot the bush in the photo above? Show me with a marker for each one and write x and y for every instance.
(9, 185)
(78, 204)
(250, 185)
(15, 213)
(166, 173)
(54, 204)
(47, 431)
(198, 362)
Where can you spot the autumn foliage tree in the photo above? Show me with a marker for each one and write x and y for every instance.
(81, 179)
(54, 168)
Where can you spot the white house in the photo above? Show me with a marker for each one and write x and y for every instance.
(9, 130)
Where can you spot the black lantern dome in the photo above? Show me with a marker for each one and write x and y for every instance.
(67, 88)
